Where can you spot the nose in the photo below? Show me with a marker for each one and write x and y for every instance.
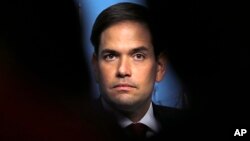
(123, 69)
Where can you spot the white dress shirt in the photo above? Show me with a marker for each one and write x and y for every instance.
(148, 119)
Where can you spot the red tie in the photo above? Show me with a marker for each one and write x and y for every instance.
(137, 131)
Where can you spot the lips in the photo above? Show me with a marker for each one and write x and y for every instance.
(124, 87)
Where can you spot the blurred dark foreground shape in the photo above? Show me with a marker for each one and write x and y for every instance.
(43, 79)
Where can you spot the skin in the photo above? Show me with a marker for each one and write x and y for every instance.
(126, 68)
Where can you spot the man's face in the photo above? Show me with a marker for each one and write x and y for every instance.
(125, 66)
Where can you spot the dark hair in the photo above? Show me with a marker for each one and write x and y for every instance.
(120, 12)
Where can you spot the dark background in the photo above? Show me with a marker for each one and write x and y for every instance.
(205, 44)
(44, 85)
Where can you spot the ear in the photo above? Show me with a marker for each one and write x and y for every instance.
(161, 67)
(95, 66)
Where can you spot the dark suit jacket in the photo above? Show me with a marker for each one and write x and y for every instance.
(171, 120)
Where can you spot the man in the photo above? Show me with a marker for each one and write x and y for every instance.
(127, 64)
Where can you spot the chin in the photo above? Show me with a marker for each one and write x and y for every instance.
(125, 99)
(126, 104)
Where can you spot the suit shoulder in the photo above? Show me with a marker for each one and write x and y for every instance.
(169, 114)
(164, 110)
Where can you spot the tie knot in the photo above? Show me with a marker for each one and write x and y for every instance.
(137, 130)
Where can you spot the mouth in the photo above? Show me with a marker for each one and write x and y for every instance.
(124, 87)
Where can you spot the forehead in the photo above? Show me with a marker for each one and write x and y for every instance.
(126, 35)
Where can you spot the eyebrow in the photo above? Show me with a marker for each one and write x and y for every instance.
(111, 51)
(139, 49)
(132, 51)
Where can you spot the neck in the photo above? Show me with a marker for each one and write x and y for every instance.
(135, 113)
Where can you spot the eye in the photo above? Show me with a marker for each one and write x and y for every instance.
(139, 56)
(109, 57)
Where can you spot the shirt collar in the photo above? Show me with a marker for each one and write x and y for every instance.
(148, 119)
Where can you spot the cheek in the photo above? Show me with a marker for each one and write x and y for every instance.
(146, 75)
(105, 74)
